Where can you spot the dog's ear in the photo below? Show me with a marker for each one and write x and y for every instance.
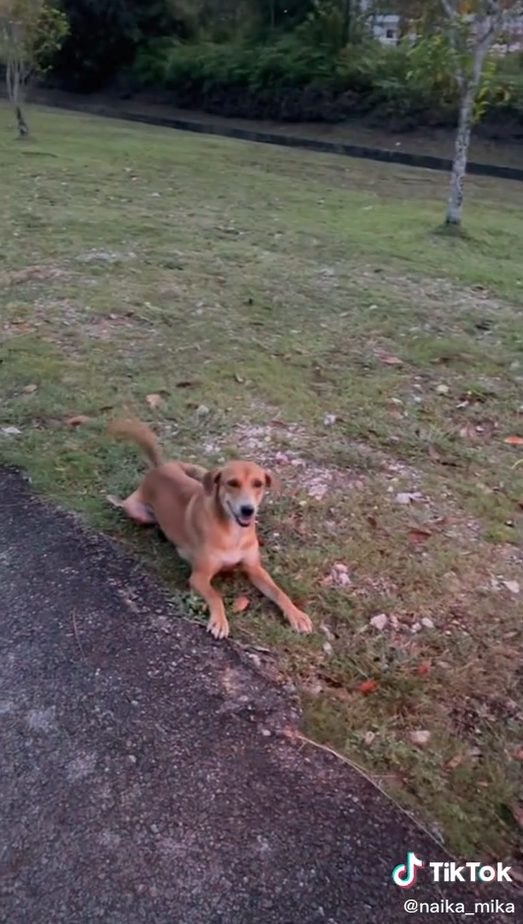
(271, 481)
(211, 480)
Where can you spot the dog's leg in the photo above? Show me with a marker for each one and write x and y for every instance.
(134, 508)
(200, 581)
(258, 576)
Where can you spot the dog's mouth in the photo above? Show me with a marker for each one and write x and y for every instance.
(241, 521)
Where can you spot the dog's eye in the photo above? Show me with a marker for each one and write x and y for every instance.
(257, 483)
(233, 483)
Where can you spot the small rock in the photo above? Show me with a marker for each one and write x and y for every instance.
(329, 420)
(328, 649)
(202, 411)
(10, 431)
(29, 389)
(420, 737)
(379, 622)
(427, 622)
(369, 737)
(442, 390)
(416, 627)
(395, 623)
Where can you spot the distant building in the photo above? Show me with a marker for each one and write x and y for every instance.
(386, 27)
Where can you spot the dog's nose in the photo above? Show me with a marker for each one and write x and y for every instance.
(246, 510)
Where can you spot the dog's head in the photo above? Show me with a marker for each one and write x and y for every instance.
(239, 488)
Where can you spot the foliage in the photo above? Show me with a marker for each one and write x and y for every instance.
(286, 78)
(32, 32)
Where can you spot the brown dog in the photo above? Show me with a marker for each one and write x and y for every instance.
(210, 517)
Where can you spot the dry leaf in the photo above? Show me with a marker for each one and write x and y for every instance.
(419, 736)
(389, 360)
(516, 872)
(77, 421)
(513, 586)
(239, 379)
(419, 535)
(442, 389)
(408, 497)
(510, 440)
(241, 604)
(372, 521)
(424, 668)
(454, 762)
(379, 622)
(368, 686)
(29, 389)
(154, 400)
(517, 811)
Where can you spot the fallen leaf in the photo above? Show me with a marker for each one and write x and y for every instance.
(372, 521)
(77, 421)
(154, 400)
(368, 686)
(513, 586)
(419, 736)
(379, 622)
(241, 604)
(517, 811)
(419, 535)
(389, 360)
(408, 497)
(424, 668)
(238, 378)
(29, 389)
(454, 762)
(328, 649)
(516, 872)
(510, 440)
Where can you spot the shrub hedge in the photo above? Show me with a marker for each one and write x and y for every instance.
(287, 80)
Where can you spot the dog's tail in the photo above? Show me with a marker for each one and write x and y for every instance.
(137, 432)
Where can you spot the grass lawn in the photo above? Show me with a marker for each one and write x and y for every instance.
(305, 311)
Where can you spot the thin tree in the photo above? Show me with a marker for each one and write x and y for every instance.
(31, 32)
(473, 28)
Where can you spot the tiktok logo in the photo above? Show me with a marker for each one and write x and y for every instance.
(404, 875)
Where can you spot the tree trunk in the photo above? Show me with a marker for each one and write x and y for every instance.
(16, 93)
(461, 153)
(21, 124)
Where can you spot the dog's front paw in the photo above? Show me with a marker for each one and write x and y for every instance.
(219, 628)
(299, 621)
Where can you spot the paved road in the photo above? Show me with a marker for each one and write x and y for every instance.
(144, 775)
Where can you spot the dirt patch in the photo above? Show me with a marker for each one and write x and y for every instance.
(42, 273)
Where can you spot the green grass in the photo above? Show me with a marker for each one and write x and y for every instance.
(259, 290)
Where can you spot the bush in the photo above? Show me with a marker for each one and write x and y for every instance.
(292, 80)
